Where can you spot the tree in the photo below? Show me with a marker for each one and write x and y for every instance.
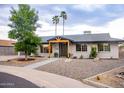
(55, 20)
(64, 17)
(23, 25)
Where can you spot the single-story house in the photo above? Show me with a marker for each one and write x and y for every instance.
(80, 45)
(7, 47)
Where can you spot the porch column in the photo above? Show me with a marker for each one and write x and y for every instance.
(68, 49)
(49, 49)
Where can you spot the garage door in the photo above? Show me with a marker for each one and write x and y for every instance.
(121, 52)
(7, 50)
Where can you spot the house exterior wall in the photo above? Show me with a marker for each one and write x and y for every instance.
(77, 54)
(113, 53)
(55, 49)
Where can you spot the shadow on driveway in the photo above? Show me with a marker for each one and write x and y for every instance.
(11, 81)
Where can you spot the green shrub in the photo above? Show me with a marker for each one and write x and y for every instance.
(93, 52)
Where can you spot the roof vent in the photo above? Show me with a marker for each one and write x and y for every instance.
(87, 32)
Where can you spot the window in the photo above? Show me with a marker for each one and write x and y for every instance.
(104, 47)
(100, 47)
(78, 47)
(45, 49)
(81, 47)
(84, 47)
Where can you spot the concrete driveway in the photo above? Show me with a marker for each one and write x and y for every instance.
(43, 79)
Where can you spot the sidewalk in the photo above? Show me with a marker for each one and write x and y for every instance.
(43, 79)
(36, 65)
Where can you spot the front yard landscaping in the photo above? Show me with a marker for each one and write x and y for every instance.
(110, 78)
(20, 62)
(80, 69)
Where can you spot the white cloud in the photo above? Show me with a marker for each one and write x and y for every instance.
(4, 32)
(89, 7)
(115, 28)
(59, 9)
(5, 14)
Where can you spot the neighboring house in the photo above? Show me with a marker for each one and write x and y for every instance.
(77, 45)
(7, 47)
(121, 51)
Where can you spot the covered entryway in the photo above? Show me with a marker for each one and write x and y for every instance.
(63, 46)
(63, 50)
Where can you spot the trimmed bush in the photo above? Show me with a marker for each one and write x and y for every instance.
(93, 52)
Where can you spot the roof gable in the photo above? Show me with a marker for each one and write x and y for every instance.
(61, 37)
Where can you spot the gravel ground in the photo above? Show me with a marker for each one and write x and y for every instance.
(110, 78)
(81, 68)
(11, 81)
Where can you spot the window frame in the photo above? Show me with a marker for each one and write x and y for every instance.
(84, 47)
(78, 47)
(81, 47)
(45, 49)
(104, 47)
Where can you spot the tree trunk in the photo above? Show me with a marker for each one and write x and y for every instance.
(55, 29)
(63, 26)
(26, 56)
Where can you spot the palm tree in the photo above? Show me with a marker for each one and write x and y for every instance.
(64, 17)
(55, 20)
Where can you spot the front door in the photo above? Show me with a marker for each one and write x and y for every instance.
(63, 49)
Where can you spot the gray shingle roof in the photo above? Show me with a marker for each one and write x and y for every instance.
(102, 37)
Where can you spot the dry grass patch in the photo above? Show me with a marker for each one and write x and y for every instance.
(21, 62)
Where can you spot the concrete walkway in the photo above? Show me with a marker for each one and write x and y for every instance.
(43, 79)
(36, 65)
(9, 57)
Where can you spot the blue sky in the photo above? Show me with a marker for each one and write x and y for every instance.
(84, 17)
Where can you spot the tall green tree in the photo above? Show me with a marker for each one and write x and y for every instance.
(55, 20)
(64, 17)
(23, 27)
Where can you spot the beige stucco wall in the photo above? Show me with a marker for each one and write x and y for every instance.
(113, 53)
(79, 53)
(55, 48)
